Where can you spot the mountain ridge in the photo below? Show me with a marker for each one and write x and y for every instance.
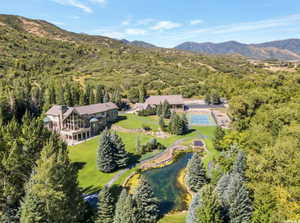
(281, 49)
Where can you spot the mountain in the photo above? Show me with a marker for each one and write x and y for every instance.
(281, 50)
(292, 45)
(139, 43)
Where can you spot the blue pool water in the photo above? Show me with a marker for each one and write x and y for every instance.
(201, 119)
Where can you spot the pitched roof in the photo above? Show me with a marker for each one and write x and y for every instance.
(171, 99)
(81, 110)
(54, 110)
(95, 108)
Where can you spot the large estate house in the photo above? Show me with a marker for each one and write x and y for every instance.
(80, 122)
(176, 101)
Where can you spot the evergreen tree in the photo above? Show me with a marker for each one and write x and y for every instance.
(138, 146)
(185, 123)
(159, 110)
(207, 99)
(215, 99)
(105, 153)
(239, 166)
(124, 212)
(121, 156)
(178, 125)
(52, 193)
(106, 207)
(219, 135)
(166, 109)
(192, 211)
(161, 123)
(106, 97)
(146, 203)
(209, 210)
(99, 94)
(142, 93)
(91, 97)
(235, 199)
(196, 174)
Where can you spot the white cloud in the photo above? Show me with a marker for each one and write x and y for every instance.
(162, 25)
(101, 2)
(145, 21)
(75, 3)
(251, 26)
(135, 32)
(196, 22)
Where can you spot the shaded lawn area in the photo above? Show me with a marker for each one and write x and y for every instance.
(132, 121)
(84, 154)
(174, 218)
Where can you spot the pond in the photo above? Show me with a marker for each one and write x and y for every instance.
(164, 182)
(201, 119)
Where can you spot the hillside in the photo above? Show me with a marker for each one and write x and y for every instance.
(139, 43)
(37, 49)
(292, 45)
(281, 50)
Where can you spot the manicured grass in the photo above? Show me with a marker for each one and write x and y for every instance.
(84, 154)
(132, 121)
(174, 218)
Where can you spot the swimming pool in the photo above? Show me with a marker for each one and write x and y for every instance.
(201, 119)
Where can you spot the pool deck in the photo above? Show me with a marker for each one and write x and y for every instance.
(219, 117)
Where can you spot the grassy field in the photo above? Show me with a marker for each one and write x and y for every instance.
(174, 218)
(132, 121)
(84, 154)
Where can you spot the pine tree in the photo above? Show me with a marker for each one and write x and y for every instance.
(99, 95)
(124, 212)
(92, 97)
(185, 124)
(192, 211)
(209, 210)
(106, 207)
(146, 203)
(121, 156)
(196, 173)
(207, 99)
(52, 193)
(159, 110)
(235, 199)
(105, 153)
(239, 166)
(142, 93)
(219, 135)
(138, 146)
(166, 110)
(161, 123)
(106, 97)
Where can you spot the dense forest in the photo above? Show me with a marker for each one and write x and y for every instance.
(42, 65)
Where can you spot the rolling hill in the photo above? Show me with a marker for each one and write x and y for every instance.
(281, 50)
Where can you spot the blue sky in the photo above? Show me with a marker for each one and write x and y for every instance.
(168, 23)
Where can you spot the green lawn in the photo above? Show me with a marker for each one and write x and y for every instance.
(84, 154)
(174, 218)
(132, 121)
